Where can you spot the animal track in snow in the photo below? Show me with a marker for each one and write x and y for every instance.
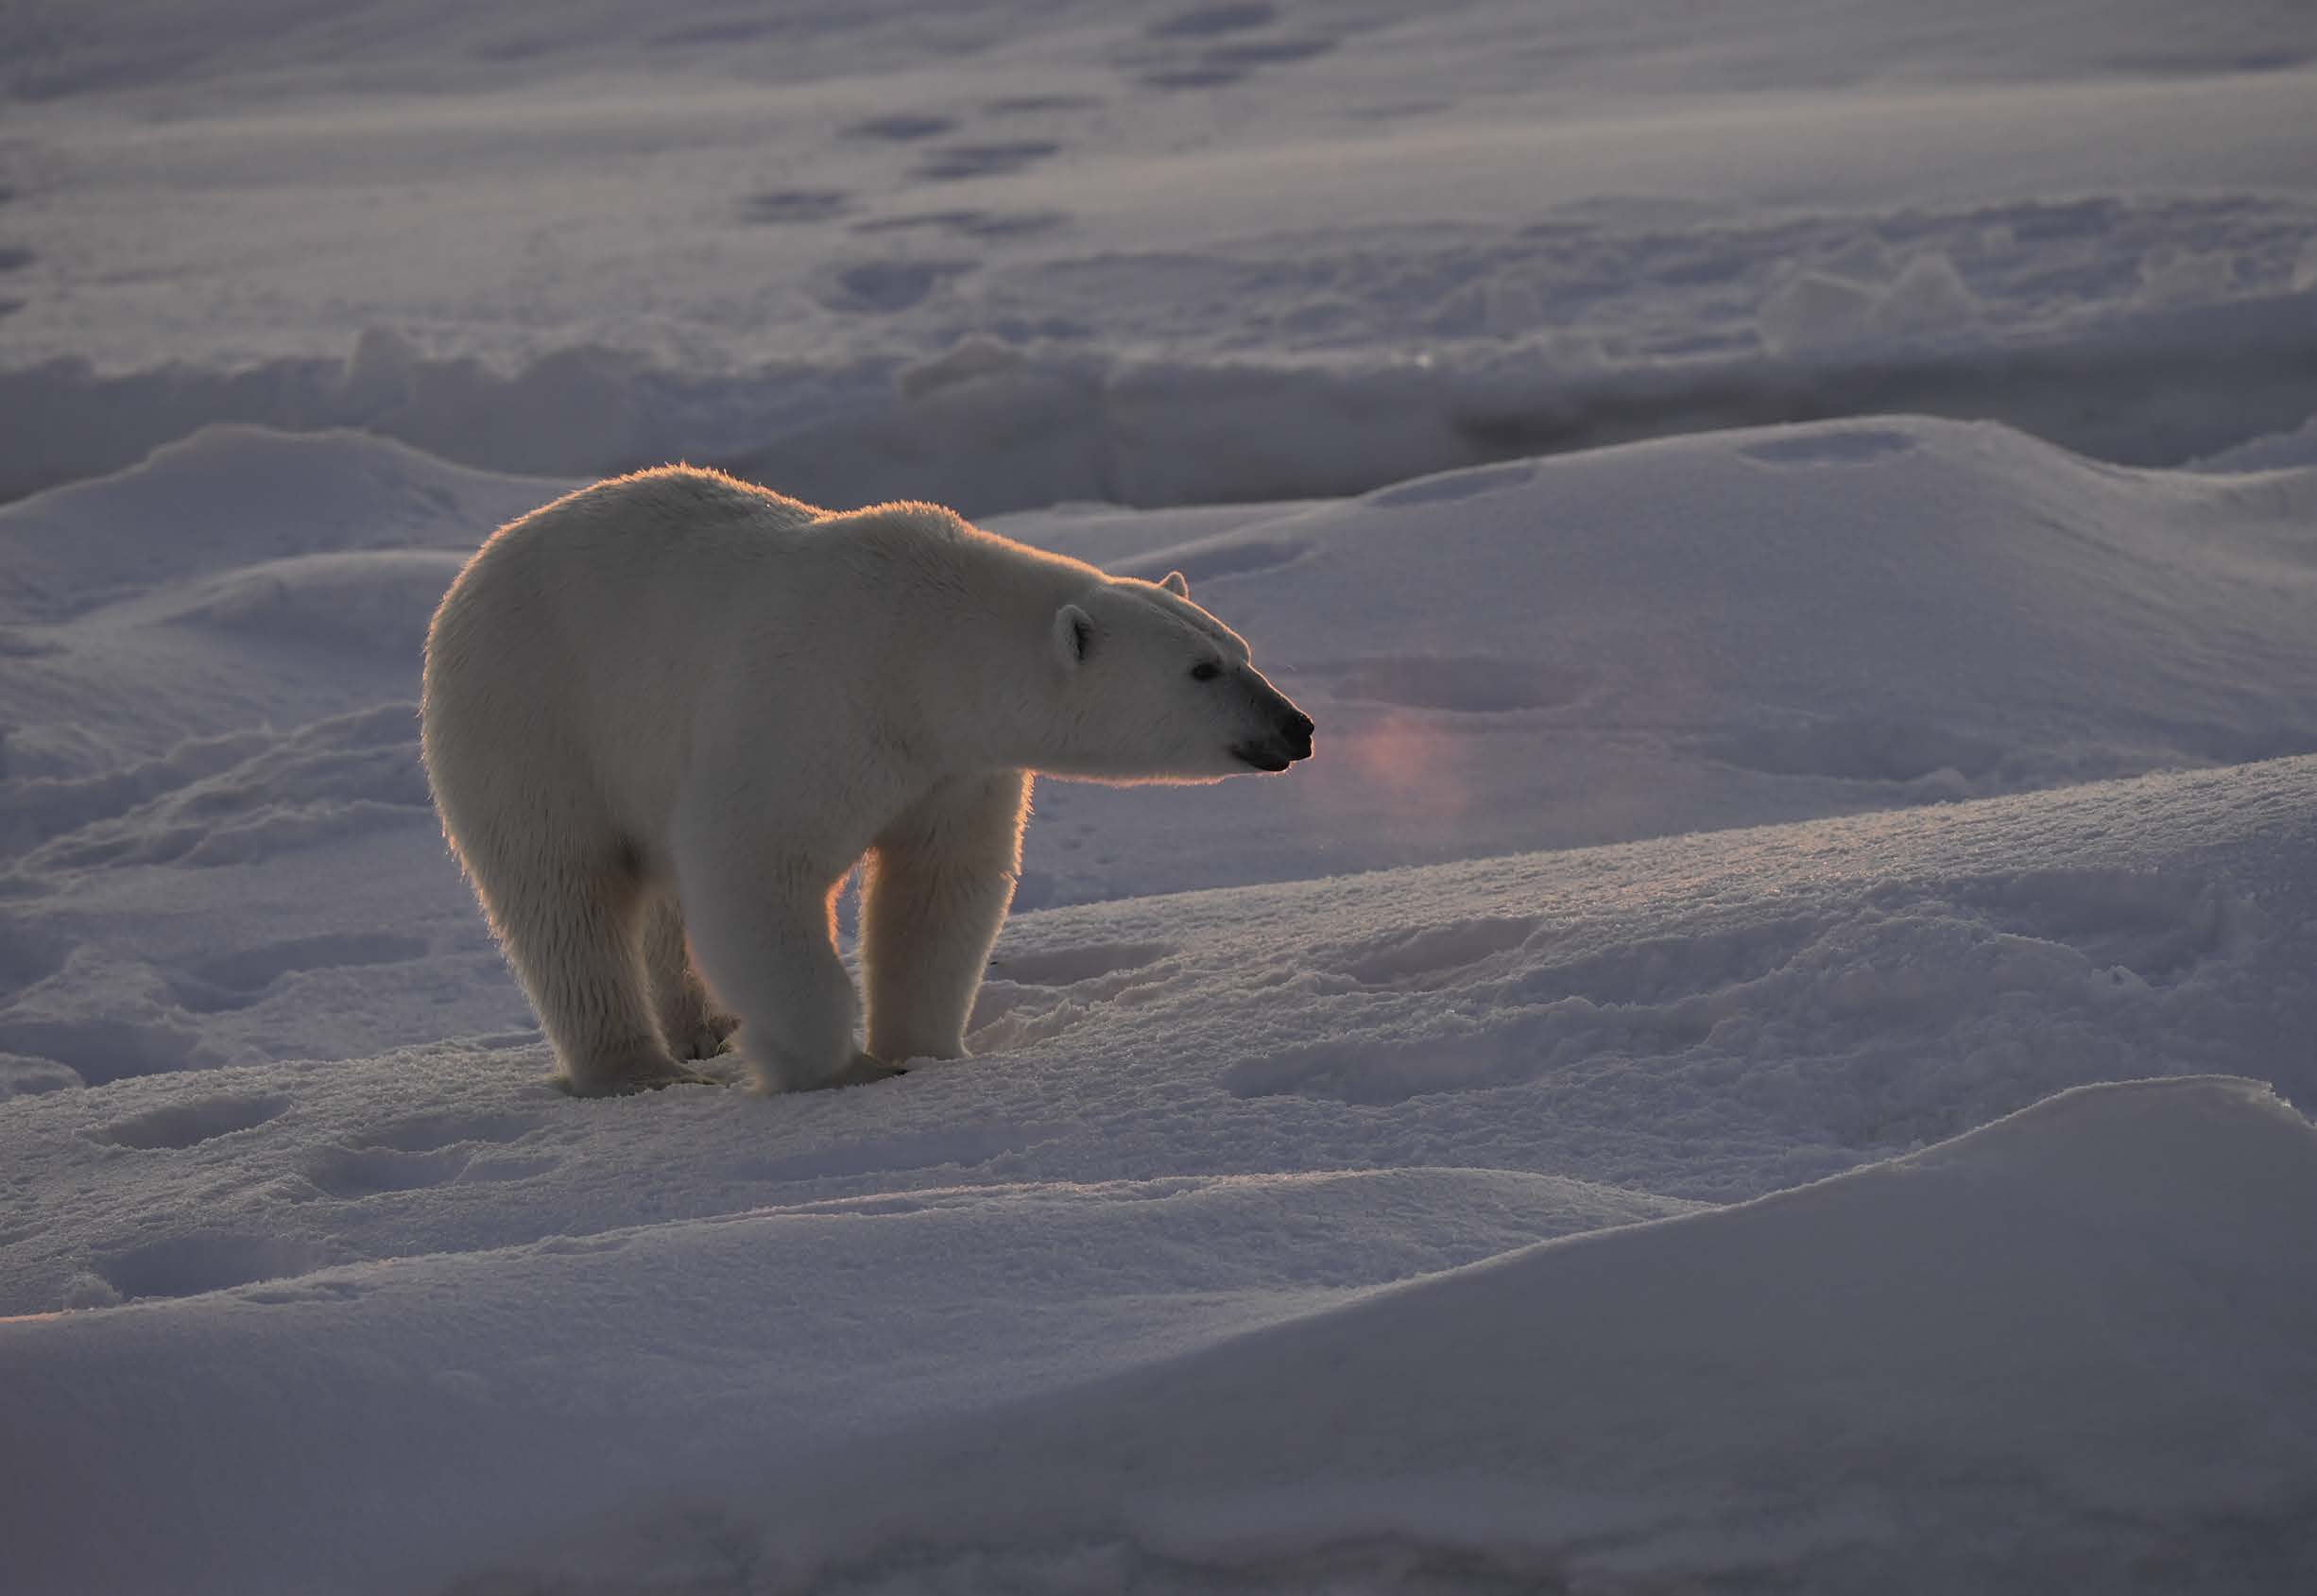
(101, 1050)
(953, 162)
(889, 286)
(900, 127)
(727, 30)
(1205, 22)
(1245, 53)
(425, 1133)
(2158, 927)
(186, 1124)
(354, 1172)
(1669, 976)
(1433, 956)
(1208, 46)
(189, 1265)
(1036, 997)
(969, 223)
(1023, 105)
(425, 1151)
(1067, 967)
(237, 980)
(776, 206)
(1218, 65)
(1640, 999)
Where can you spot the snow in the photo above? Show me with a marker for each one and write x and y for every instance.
(1769, 1049)
(570, 240)
(1256, 1109)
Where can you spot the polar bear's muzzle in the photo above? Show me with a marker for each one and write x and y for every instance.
(1288, 740)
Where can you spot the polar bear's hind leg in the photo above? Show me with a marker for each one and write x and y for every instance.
(689, 1018)
(571, 928)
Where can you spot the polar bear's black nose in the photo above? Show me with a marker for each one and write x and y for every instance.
(1298, 731)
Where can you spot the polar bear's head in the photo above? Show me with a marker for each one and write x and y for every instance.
(1152, 688)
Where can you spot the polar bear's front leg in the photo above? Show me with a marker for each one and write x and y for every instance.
(763, 935)
(934, 894)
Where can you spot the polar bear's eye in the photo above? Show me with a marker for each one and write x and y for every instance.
(1205, 670)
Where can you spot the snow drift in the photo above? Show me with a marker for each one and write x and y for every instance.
(1935, 804)
(1147, 1225)
(2037, 1328)
(1736, 627)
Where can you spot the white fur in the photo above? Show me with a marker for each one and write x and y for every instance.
(665, 715)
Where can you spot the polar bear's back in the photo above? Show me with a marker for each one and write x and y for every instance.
(577, 639)
(656, 527)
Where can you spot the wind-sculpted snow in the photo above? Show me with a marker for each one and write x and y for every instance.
(1867, 1152)
(1546, 654)
(992, 426)
(1157, 1153)
(1811, 1389)
(1003, 254)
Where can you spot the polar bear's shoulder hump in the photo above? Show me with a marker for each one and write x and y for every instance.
(693, 492)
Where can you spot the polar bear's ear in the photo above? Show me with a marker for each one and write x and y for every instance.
(1174, 583)
(1073, 634)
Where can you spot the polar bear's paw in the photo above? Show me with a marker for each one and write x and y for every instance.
(706, 1037)
(865, 1068)
(637, 1075)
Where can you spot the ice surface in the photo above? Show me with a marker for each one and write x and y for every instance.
(1768, 1051)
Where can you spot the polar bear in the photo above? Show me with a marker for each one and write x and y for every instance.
(665, 717)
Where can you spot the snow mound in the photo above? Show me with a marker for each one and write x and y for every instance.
(1536, 653)
(2100, 1313)
(1190, 1118)
(378, 600)
(1732, 627)
(326, 779)
(474, 1438)
(241, 578)
(231, 497)
(2294, 450)
(993, 426)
